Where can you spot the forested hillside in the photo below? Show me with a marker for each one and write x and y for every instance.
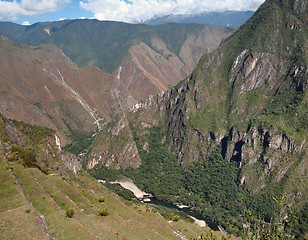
(232, 135)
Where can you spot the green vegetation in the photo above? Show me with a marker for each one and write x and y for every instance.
(80, 141)
(36, 134)
(80, 126)
(170, 216)
(159, 172)
(70, 212)
(210, 184)
(101, 199)
(101, 43)
(102, 172)
(282, 226)
(103, 212)
(300, 227)
(24, 155)
(122, 192)
(288, 112)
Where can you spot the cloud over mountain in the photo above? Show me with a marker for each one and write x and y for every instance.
(141, 10)
(15, 8)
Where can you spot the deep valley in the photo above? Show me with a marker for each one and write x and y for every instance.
(215, 118)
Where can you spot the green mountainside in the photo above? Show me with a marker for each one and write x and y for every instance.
(46, 195)
(100, 43)
(231, 138)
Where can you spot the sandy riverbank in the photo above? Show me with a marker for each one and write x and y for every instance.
(129, 184)
(200, 223)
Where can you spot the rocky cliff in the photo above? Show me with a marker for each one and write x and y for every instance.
(249, 98)
(35, 146)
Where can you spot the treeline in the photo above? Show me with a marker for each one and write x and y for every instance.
(209, 186)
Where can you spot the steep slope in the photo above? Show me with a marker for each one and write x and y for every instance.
(245, 103)
(39, 183)
(102, 43)
(41, 85)
(261, 68)
(153, 50)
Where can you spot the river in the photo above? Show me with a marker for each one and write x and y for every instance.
(139, 194)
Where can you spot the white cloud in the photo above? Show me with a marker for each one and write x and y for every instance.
(14, 9)
(61, 19)
(141, 10)
(25, 23)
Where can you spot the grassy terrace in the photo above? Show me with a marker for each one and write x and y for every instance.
(51, 195)
(17, 217)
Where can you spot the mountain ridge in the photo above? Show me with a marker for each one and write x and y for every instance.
(89, 94)
(245, 102)
(100, 43)
(228, 18)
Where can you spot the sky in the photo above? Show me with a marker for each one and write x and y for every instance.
(28, 12)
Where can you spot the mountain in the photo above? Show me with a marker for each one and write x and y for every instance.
(229, 18)
(229, 140)
(46, 195)
(148, 59)
(105, 44)
(41, 85)
(231, 137)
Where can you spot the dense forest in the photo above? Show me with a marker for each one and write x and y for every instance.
(211, 186)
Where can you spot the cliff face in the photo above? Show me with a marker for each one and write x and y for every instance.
(249, 98)
(35, 146)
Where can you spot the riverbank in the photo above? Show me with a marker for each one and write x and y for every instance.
(129, 185)
(139, 194)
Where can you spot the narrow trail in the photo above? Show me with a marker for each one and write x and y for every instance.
(76, 94)
(40, 216)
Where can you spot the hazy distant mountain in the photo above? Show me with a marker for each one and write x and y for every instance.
(149, 57)
(40, 85)
(229, 18)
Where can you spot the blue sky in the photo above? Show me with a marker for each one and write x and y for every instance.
(31, 11)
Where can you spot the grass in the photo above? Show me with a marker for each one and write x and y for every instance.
(35, 192)
(17, 220)
(10, 196)
(17, 224)
(51, 195)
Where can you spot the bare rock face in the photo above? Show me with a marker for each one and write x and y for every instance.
(41, 144)
(251, 70)
(255, 142)
(71, 162)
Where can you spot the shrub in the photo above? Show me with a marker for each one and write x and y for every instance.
(101, 199)
(28, 211)
(175, 218)
(70, 212)
(103, 212)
